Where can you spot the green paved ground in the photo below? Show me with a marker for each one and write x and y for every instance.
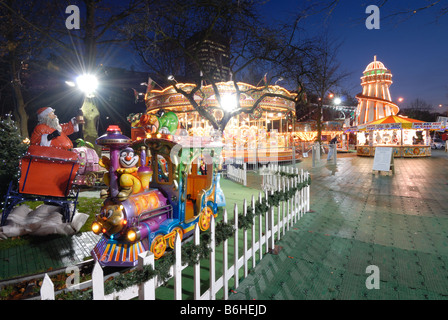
(398, 223)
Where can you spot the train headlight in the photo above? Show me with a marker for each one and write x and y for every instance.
(133, 235)
(96, 228)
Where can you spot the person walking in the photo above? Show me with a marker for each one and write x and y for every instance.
(332, 147)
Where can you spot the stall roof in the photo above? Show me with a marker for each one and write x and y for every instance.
(394, 119)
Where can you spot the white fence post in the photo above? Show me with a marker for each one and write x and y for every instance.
(246, 271)
(147, 290)
(197, 266)
(212, 258)
(47, 289)
(285, 213)
(253, 232)
(279, 184)
(177, 272)
(307, 193)
(225, 261)
(266, 224)
(97, 282)
(235, 257)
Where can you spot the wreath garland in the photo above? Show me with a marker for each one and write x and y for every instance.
(191, 253)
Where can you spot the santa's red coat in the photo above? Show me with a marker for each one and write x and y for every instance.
(63, 141)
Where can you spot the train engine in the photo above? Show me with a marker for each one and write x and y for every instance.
(129, 227)
(146, 206)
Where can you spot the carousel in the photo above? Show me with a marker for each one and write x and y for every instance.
(262, 135)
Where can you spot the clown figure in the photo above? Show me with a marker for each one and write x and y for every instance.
(128, 178)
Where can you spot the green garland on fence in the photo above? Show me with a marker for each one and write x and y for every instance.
(246, 221)
(191, 253)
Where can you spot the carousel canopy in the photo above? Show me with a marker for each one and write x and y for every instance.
(171, 100)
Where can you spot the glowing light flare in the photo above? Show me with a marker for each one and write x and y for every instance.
(228, 102)
(87, 83)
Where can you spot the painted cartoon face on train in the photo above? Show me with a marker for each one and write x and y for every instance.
(128, 158)
(111, 220)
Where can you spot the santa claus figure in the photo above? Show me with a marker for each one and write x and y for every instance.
(49, 133)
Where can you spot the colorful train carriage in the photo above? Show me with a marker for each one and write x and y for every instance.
(182, 192)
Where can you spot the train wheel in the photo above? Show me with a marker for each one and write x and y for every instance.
(172, 239)
(205, 218)
(158, 246)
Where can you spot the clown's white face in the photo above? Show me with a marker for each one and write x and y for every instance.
(127, 158)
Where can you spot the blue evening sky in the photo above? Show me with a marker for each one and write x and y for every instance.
(414, 49)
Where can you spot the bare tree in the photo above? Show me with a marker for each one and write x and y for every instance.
(32, 26)
(19, 43)
(161, 39)
(325, 75)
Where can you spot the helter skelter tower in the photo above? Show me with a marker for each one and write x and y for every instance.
(375, 103)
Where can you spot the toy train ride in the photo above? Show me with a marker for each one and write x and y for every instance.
(159, 185)
(174, 188)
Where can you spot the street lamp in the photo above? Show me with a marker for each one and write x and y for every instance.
(171, 78)
(337, 101)
(87, 83)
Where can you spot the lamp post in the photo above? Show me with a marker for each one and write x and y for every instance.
(88, 84)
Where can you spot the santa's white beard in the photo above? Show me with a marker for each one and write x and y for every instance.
(53, 123)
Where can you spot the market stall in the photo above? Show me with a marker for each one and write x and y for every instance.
(408, 137)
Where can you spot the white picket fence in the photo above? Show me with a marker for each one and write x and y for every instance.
(237, 174)
(266, 228)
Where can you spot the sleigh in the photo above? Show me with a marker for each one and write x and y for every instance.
(46, 174)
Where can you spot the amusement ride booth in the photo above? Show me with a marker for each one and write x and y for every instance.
(378, 124)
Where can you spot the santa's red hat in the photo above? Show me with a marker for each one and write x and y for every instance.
(43, 112)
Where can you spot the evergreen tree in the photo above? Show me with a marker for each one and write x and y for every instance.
(12, 148)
